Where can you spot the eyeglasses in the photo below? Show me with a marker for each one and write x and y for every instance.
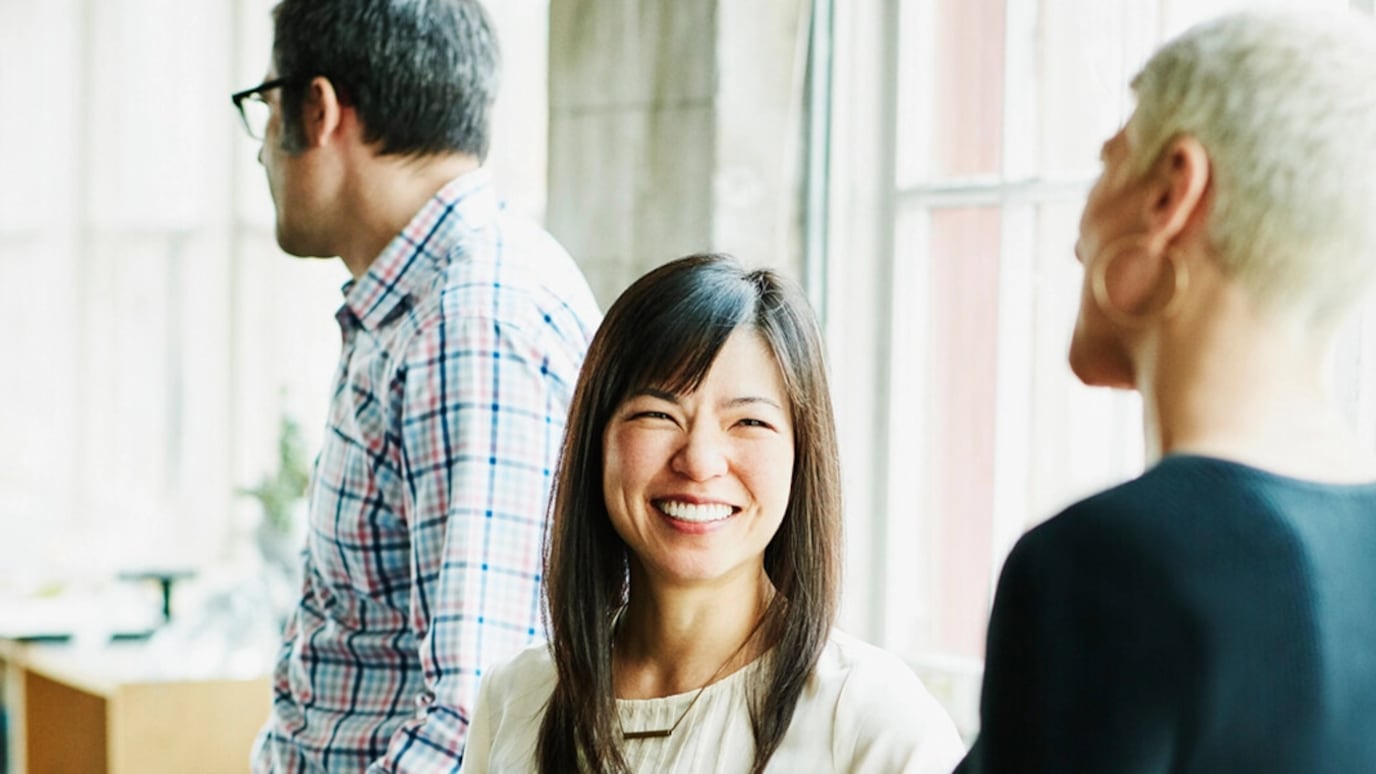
(253, 109)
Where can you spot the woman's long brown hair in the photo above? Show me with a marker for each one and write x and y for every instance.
(665, 331)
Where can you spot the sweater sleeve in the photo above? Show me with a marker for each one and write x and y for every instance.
(1086, 660)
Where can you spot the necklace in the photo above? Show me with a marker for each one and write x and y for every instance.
(664, 733)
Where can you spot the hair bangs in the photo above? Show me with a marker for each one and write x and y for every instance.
(674, 344)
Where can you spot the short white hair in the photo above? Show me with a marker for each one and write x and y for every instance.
(1285, 106)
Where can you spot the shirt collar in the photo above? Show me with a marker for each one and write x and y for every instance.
(417, 257)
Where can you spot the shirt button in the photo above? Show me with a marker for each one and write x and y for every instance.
(424, 699)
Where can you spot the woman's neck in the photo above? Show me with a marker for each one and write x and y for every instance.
(1248, 388)
(675, 639)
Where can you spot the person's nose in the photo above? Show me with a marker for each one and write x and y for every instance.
(703, 455)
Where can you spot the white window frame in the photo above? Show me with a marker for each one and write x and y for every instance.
(877, 403)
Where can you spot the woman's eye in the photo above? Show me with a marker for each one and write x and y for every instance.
(651, 415)
(750, 422)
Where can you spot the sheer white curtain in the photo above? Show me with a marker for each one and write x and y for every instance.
(151, 333)
(122, 242)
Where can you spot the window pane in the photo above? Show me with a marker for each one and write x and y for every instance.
(135, 207)
(154, 114)
(40, 119)
(961, 111)
(965, 279)
(944, 363)
(43, 377)
(1081, 438)
(1088, 52)
(950, 458)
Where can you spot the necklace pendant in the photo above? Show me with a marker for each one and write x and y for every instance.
(662, 733)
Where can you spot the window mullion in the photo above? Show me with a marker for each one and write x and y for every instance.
(1013, 395)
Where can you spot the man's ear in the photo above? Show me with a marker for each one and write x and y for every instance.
(1179, 184)
(320, 112)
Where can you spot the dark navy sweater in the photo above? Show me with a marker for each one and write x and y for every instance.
(1205, 617)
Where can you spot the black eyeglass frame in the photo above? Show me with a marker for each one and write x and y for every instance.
(238, 98)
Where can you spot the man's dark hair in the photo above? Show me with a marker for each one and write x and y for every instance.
(422, 74)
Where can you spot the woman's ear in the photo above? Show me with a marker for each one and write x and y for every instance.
(320, 112)
(1179, 184)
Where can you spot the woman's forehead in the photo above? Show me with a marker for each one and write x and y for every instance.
(744, 367)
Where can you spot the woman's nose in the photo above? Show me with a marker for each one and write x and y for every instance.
(702, 456)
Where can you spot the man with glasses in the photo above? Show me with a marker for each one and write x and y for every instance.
(463, 330)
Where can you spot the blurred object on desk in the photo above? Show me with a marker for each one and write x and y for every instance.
(166, 578)
(232, 632)
(90, 618)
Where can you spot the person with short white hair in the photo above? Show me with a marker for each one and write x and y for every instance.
(1215, 614)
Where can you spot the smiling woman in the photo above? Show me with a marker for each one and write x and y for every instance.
(693, 567)
(696, 484)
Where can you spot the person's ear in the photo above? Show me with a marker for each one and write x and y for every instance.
(1179, 182)
(320, 112)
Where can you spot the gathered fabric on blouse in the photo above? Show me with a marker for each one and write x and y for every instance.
(862, 710)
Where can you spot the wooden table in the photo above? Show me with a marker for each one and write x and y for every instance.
(106, 711)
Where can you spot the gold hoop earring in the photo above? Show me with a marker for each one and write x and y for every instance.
(1098, 276)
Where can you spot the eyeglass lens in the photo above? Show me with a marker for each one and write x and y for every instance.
(255, 113)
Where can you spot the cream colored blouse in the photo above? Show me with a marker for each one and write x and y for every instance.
(862, 711)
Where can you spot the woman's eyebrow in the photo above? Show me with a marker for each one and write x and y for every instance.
(744, 400)
(750, 399)
(655, 392)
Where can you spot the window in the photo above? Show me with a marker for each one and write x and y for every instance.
(154, 333)
(965, 136)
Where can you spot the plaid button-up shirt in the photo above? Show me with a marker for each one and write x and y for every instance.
(461, 348)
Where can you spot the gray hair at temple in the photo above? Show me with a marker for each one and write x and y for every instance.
(422, 75)
(1285, 106)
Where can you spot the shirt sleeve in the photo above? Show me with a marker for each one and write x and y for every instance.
(482, 421)
(1085, 663)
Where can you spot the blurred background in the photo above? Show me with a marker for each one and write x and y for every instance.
(918, 164)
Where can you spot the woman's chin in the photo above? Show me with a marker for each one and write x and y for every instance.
(1100, 367)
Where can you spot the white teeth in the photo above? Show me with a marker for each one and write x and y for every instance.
(694, 512)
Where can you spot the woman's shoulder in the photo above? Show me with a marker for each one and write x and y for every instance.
(511, 703)
(1180, 504)
(882, 710)
(1191, 482)
(1144, 516)
(862, 672)
(845, 653)
(528, 673)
